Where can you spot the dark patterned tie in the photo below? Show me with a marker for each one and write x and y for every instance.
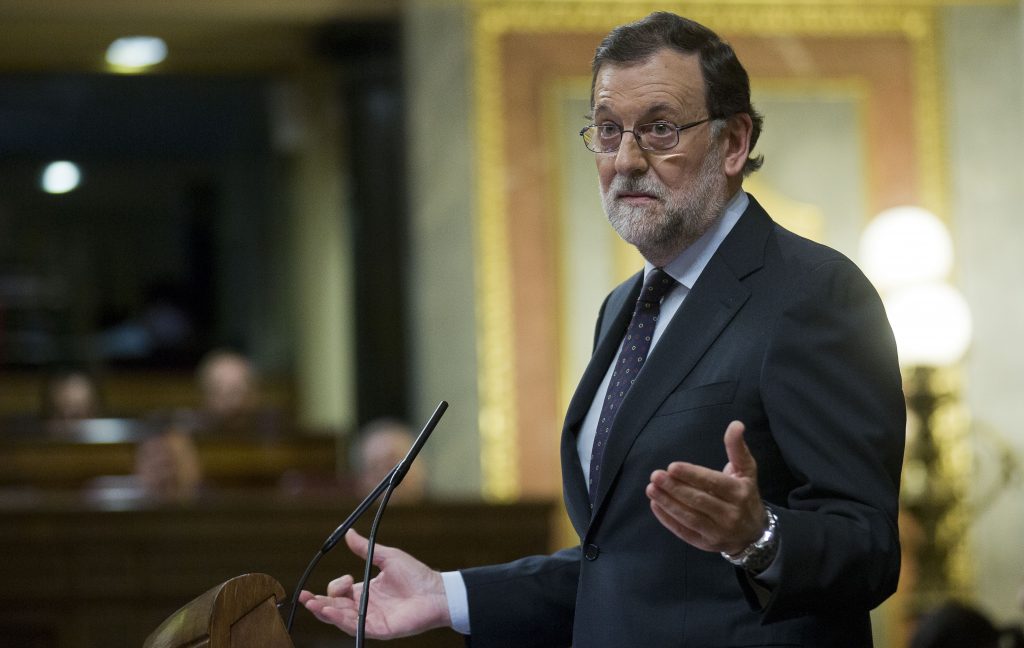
(635, 347)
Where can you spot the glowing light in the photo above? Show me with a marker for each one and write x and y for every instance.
(931, 322)
(905, 245)
(133, 53)
(60, 177)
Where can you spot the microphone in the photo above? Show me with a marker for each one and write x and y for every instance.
(389, 483)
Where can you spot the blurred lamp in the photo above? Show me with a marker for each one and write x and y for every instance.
(905, 245)
(133, 53)
(908, 253)
(60, 177)
(931, 322)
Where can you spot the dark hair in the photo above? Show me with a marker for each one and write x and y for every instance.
(727, 86)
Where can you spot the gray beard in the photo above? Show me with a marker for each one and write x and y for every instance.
(662, 232)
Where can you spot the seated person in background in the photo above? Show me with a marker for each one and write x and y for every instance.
(167, 466)
(380, 445)
(229, 398)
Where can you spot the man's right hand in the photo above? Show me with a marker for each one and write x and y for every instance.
(406, 596)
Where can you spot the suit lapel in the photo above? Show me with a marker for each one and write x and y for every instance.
(612, 326)
(614, 319)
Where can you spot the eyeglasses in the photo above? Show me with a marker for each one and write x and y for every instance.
(656, 136)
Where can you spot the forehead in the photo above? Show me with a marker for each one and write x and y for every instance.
(667, 79)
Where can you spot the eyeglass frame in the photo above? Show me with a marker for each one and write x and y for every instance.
(639, 140)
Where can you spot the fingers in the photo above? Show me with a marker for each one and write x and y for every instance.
(711, 509)
(357, 544)
(676, 502)
(688, 490)
(741, 461)
(696, 517)
(339, 607)
(342, 594)
(360, 546)
(340, 587)
(703, 488)
(681, 531)
(691, 527)
(339, 612)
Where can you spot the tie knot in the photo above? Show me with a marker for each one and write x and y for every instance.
(658, 283)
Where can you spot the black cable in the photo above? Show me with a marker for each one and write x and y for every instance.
(364, 596)
(298, 588)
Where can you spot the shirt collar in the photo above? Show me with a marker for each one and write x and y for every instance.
(686, 267)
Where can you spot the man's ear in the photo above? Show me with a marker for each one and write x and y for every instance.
(737, 132)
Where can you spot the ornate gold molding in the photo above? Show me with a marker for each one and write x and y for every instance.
(495, 358)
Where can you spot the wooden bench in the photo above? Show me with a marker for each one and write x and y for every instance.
(76, 456)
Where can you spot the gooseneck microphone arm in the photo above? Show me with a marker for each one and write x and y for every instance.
(390, 481)
(371, 543)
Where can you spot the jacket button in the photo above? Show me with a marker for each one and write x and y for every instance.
(591, 551)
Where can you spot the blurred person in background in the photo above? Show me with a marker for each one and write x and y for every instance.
(71, 394)
(167, 465)
(230, 401)
(227, 385)
(380, 445)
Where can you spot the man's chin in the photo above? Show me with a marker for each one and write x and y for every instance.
(652, 245)
(627, 217)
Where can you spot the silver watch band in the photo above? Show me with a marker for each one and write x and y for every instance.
(760, 553)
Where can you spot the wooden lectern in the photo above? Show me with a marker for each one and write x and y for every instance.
(238, 613)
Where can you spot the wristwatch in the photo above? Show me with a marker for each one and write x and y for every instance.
(759, 554)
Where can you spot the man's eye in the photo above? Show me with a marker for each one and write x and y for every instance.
(659, 129)
(607, 131)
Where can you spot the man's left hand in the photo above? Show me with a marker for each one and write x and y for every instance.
(712, 510)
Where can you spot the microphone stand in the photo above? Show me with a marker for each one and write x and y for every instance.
(390, 481)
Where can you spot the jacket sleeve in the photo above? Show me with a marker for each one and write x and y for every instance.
(525, 603)
(833, 395)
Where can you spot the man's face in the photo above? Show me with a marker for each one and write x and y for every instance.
(659, 201)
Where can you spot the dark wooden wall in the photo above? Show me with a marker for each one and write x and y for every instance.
(84, 574)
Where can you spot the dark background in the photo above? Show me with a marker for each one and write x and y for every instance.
(173, 243)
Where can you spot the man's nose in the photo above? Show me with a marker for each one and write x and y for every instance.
(630, 159)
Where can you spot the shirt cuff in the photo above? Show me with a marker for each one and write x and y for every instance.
(458, 601)
(764, 583)
(772, 575)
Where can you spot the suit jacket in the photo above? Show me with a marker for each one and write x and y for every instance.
(789, 337)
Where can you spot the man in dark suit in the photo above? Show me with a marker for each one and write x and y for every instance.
(782, 534)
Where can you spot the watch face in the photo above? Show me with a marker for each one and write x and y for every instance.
(760, 559)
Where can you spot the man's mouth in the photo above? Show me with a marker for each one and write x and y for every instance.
(635, 197)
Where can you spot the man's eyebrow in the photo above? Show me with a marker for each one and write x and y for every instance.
(654, 109)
